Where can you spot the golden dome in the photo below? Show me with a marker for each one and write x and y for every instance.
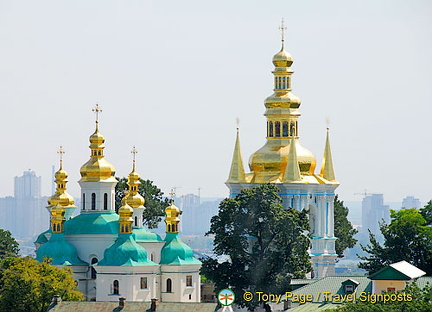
(97, 169)
(172, 218)
(125, 220)
(282, 59)
(61, 196)
(133, 198)
(282, 100)
(270, 161)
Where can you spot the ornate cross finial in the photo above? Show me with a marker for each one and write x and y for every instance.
(172, 193)
(328, 123)
(97, 111)
(61, 152)
(134, 152)
(238, 123)
(282, 29)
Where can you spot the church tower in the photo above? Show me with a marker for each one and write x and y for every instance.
(285, 162)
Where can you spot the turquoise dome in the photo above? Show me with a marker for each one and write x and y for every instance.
(144, 235)
(175, 252)
(42, 238)
(125, 252)
(93, 223)
(60, 251)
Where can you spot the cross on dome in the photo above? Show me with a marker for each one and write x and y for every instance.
(97, 111)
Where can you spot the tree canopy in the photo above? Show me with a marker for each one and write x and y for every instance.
(408, 237)
(155, 203)
(8, 245)
(266, 245)
(29, 286)
(343, 229)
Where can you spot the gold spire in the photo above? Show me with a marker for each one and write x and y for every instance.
(97, 169)
(57, 218)
(237, 172)
(172, 217)
(125, 220)
(133, 198)
(282, 29)
(61, 196)
(292, 171)
(327, 170)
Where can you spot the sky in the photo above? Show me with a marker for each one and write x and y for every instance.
(172, 77)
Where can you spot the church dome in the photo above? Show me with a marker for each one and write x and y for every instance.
(282, 59)
(97, 169)
(60, 251)
(175, 252)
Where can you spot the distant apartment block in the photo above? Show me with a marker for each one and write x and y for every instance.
(24, 214)
(373, 212)
(411, 202)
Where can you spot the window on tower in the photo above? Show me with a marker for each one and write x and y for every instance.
(277, 126)
(271, 129)
(83, 201)
(93, 201)
(285, 129)
(105, 201)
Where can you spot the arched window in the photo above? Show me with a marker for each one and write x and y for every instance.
(105, 201)
(151, 256)
(271, 129)
(116, 287)
(292, 129)
(83, 201)
(93, 271)
(285, 129)
(168, 285)
(277, 126)
(136, 221)
(93, 201)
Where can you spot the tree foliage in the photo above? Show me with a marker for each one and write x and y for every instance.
(8, 245)
(27, 285)
(266, 244)
(408, 237)
(155, 203)
(343, 229)
(421, 302)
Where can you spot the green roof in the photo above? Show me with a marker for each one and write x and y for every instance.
(144, 235)
(125, 252)
(60, 251)
(175, 252)
(93, 223)
(401, 270)
(333, 285)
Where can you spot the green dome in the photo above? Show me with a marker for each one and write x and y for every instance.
(60, 251)
(175, 252)
(42, 238)
(144, 235)
(125, 252)
(93, 223)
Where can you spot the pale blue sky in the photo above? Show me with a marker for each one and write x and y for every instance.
(172, 76)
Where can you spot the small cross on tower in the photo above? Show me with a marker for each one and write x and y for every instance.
(97, 111)
(282, 29)
(61, 152)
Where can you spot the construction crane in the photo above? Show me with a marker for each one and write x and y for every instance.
(365, 193)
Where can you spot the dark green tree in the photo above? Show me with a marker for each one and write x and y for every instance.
(266, 244)
(343, 229)
(408, 237)
(27, 285)
(155, 203)
(8, 245)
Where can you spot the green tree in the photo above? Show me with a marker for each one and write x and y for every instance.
(420, 300)
(343, 229)
(8, 245)
(408, 237)
(266, 244)
(155, 203)
(27, 285)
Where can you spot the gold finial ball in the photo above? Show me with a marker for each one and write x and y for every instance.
(282, 59)
(61, 174)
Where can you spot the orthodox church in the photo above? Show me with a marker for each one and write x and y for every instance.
(285, 162)
(113, 255)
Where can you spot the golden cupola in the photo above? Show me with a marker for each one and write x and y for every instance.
(269, 163)
(61, 196)
(125, 212)
(172, 218)
(133, 198)
(97, 169)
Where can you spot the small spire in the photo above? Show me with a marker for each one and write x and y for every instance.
(237, 172)
(292, 170)
(327, 170)
(282, 28)
(61, 152)
(97, 111)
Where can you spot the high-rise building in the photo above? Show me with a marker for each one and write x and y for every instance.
(286, 163)
(411, 202)
(373, 212)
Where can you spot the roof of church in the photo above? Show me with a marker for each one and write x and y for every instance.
(143, 234)
(125, 252)
(93, 223)
(42, 237)
(67, 306)
(175, 252)
(60, 251)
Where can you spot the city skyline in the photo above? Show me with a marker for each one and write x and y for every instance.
(171, 79)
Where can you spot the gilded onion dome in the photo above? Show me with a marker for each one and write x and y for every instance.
(125, 212)
(270, 161)
(172, 219)
(133, 198)
(97, 169)
(61, 196)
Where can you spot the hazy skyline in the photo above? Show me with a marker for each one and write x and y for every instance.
(172, 77)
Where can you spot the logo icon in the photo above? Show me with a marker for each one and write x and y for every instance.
(226, 297)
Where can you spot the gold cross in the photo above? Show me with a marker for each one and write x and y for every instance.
(238, 123)
(97, 111)
(282, 29)
(134, 152)
(61, 152)
(328, 123)
(172, 193)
